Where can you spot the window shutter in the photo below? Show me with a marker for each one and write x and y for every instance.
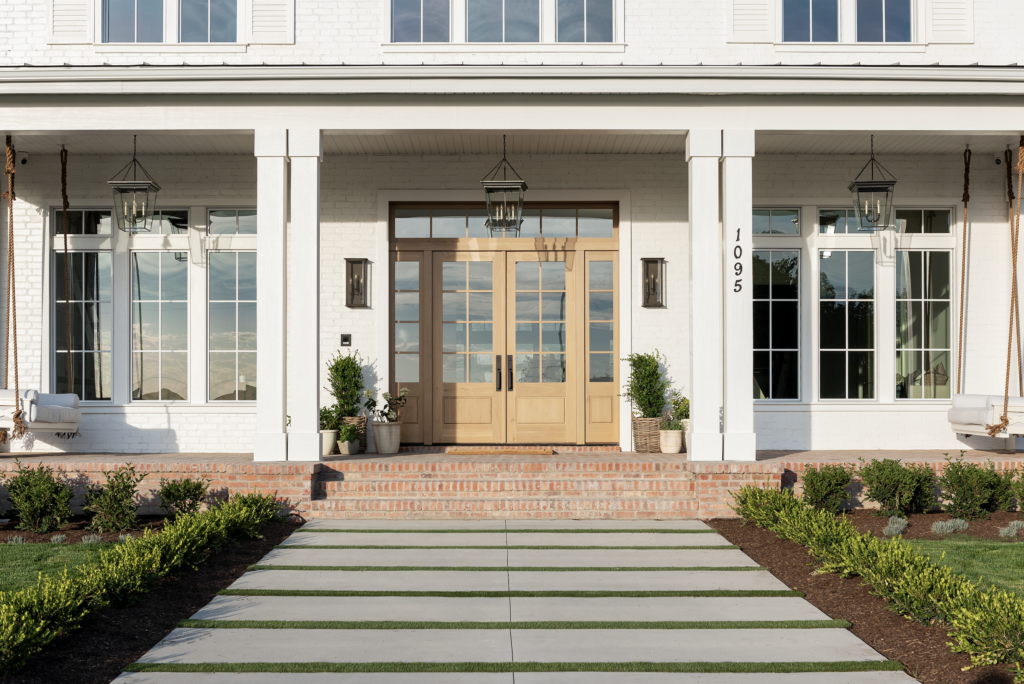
(69, 21)
(271, 21)
(951, 21)
(751, 21)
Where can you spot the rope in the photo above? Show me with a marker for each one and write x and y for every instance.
(67, 279)
(994, 430)
(1011, 196)
(20, 429)
(963, 268)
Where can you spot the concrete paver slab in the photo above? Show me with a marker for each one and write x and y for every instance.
(356, 608)
(506, 678)
(692, 645)
(710, 678)
(646, 580)
(617, 539)
(341, 538)
(606, 525)
(683, 609)
(448, 558)
(624, 558)
(383, 580)
(332, 646)
(318, 678)
(404, 525)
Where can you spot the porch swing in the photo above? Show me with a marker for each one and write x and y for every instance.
(996, 416)
(24, 411)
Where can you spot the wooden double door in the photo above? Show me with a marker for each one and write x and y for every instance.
(521, 348)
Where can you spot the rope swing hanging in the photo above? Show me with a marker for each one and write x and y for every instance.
(18, 428)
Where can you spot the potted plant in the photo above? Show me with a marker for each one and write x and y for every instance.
(345, 383)
(675, 424)
(387, 428)
(329, 424)
(348, 440)
(646, 389)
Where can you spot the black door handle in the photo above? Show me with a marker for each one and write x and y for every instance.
(497, 372)
(509, 372)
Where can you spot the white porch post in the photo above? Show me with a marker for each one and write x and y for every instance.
(271, 440)
(703, 150)
(737, 192)
(305, 147)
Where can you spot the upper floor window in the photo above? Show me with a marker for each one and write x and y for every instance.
(133, 21)
(884, 21)
(209, 21)
(810, 21)
(503, 21)
(420, 21)
(585, 21)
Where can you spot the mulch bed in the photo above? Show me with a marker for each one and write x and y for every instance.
(921, 525)
(75, 530)
(922, 649)
(110, 639)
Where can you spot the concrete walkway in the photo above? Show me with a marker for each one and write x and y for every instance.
(394, 602)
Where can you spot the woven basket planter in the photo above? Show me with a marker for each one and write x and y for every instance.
(647, 435)
(360, 423)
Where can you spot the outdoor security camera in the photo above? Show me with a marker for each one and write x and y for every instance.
(23, 158)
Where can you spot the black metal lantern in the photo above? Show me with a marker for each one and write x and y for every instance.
(653, 273)
(356, 273)
(134, 197)
(504, 198)
(872, 198)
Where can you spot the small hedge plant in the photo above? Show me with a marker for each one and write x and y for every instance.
(32, 618)
(825, 486)
(971, 491)
(898, 489)
(112, 505)
(182, 496)
(41, 501)
(646, 386)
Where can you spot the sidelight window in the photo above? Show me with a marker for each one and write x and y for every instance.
(159, 284)
(776, 324)
(503, 21)
(814, 21)
(601, 320)
(407, 321)
(846, 325)
(923, 293)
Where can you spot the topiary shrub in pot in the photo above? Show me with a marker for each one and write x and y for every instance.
(330, 424)
(345, 383)
(645, 388)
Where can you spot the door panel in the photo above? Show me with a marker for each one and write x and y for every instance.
(469, 337)
(542, 347)
(601, 347)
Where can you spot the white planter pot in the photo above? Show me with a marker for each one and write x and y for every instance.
(329, 439)
(671, 441)
(349, 448)
(388, 437)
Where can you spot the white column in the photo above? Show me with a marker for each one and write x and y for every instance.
(305, 146)
(703, 150)
(737, 198)
(271, 440)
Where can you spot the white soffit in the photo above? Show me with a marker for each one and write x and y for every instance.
(885, 145)
(121, 144)
(428, 144)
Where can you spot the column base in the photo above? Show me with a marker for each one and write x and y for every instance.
(704, 446)
(270, 446)
(739, 446)
(303, 446)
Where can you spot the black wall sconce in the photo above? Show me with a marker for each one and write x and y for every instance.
(357, 273)
(653, 273)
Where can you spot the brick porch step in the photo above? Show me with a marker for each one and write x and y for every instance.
(512, 487)
(474, 508)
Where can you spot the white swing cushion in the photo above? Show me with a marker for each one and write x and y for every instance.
(979, 410)
(41, 408)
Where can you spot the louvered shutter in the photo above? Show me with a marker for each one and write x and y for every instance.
(69, 21)
(271, 21)
(951, 21)
(751, 21)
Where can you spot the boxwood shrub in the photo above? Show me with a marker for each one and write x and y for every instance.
(825, 486)
(971, 491)
(898, 489)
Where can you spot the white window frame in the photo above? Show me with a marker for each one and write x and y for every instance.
(584, 41)
(848, 33)
(391, 26)
(915, 26)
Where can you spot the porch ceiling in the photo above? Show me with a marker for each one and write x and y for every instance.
(860, 143)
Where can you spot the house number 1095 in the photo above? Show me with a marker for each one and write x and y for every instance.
(737, 267)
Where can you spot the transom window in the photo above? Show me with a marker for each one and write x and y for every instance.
(814, 21)
(209, 21)
(837, 222)
(420, 21)
(233, 222)
(936, 221)
(923, 293)
(776, 297)
(846, 324)
(503, 21)
(884, 21)
(82, 222)
(546, 222)
(133, 21)
(776, 222)
(586, 21)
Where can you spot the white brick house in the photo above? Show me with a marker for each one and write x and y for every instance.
(674, 131)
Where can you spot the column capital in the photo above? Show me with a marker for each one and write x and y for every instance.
(271, 142)
(306, 142)
(704, 143)
(738, 143)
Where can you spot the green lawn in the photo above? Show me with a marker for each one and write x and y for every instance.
(20, 564)
(993, 563)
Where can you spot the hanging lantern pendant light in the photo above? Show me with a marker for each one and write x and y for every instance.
(504, 198)
(134, 197)
(872, 198)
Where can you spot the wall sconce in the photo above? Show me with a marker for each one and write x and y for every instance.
(653, 273)
(357, 273)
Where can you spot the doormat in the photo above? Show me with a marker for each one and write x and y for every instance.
(498, 451)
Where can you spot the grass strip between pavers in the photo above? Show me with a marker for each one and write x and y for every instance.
(496, 568)
(547, 624)
(531, 531)
(725, 547)
(834, 666)
(713, 593)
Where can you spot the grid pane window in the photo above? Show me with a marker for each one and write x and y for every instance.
(586, 21)
(209, 21)
(503, 21)
(170, 222)
(776, 222)
(420, 21)
(467, 305)
(776, 324)
(595, 222)
(159, 283)
(837, 222)
(232, 326)
(815, 21)
(935, 221)
(91, 316)
(407, 321)
(541, 321)
(82, 222)
(846, 325)
(884, 21)
(600, 320)
(233, 222)
(923, 310)
(133, 21)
